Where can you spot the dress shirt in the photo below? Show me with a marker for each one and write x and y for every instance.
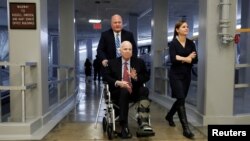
(128, 65)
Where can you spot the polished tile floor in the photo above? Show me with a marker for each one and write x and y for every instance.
(79, 124)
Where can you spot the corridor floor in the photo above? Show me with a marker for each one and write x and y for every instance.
(79, 124)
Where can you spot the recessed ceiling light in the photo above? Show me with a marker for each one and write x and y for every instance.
(95, 21)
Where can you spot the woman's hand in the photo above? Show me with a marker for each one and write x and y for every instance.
(192, 55)
(187, 59)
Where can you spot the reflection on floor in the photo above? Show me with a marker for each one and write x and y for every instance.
(79, 124)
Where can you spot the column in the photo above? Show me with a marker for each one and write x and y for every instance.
(159, 43)
(67, 39)
(133, 25)
(30, 45)
(216, 65)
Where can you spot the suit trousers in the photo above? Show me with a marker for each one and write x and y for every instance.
(124, 98)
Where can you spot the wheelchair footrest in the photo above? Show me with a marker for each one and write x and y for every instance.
(145, 133)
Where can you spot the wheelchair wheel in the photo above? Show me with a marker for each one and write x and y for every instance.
(110, 132)
(104, 124)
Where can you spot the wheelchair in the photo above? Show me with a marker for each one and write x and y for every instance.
(109, 120)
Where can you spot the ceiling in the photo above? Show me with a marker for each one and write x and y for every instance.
(104, 9)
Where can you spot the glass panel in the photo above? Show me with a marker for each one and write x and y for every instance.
(52, 70)
(241, 101)
(53, 97)
(4, 56)
(242, 75)
(242, 49)
(192, 93)
(53, 45)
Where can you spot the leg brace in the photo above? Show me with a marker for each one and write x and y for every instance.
(143, 112)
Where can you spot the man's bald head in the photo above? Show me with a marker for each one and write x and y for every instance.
(116, 23)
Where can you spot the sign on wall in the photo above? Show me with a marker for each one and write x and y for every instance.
(22, 15)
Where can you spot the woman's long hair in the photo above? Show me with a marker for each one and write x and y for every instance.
(177, 26)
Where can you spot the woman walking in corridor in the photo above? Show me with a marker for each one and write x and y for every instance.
(183, 55)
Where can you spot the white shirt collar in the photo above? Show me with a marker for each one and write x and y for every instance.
(123, 61)
(118, 33)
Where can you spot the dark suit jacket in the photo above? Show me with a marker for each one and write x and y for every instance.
(106, 48)
(114, 73)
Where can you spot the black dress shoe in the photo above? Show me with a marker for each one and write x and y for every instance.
(170, 121)
(125, 133)
(188, 134)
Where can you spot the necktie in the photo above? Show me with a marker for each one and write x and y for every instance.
(126, 76)
(117, 45)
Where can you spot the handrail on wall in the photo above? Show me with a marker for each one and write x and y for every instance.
(65, 79)
(62, 66)
(23, 87)
(243, 30)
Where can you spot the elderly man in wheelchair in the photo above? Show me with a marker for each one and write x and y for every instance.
(126, 77)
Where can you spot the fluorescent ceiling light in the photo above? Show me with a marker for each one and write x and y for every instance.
(95, 21)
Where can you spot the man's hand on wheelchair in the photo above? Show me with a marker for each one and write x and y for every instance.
(105, 63)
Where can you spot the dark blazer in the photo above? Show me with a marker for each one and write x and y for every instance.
(106, 48)
(114, 73)
(180, 73)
